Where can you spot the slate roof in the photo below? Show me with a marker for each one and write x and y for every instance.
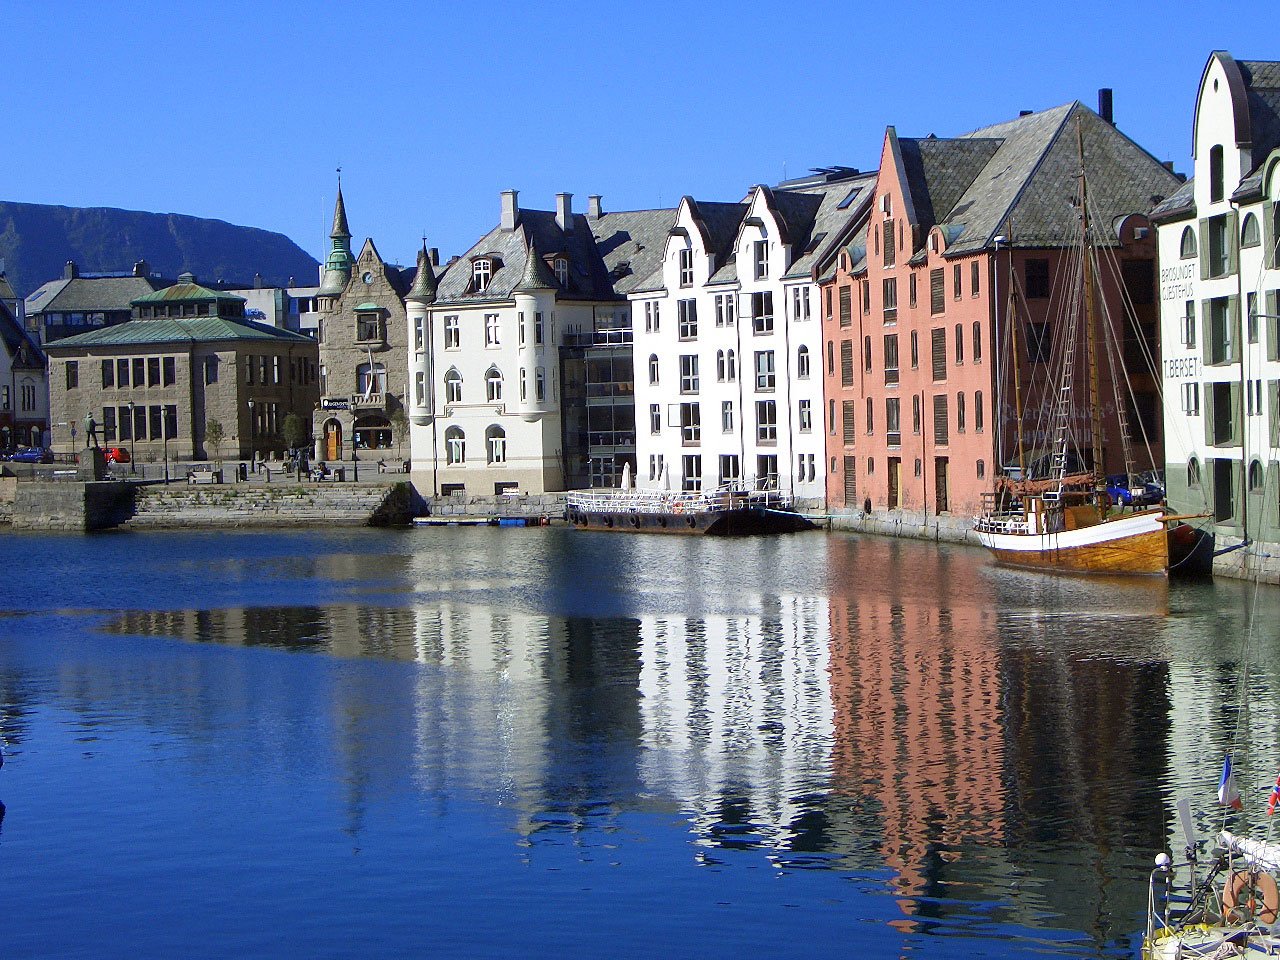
(424, 279)
(1262, 83)
(596, 268)
(824, 229)
(23, 351)
(1178, 205)
(88, 294)
(1022, 179)
(177, 330)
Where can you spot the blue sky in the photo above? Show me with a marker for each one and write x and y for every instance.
(242, 110)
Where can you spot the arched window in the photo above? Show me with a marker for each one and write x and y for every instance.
(1188, 249)
(977, 342)
(1193, 472)
(371, 378)
(1250, 235)
(453, 386)
(495, 441)
(731, 366)
(982, 469)
(493, 384)
(653, 368)
(455, 445)
(977, 411)
(1255, 477)
(481, 273)
(720, 366)
(802, 363)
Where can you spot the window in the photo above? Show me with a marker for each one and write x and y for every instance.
(846, 363)
(766, 378)
(1193, 472)
(762, 312)
(122, 373)
(368, 326)
(848, 425)
(959, 344)
(767, 471)
(940, 421)
(911, 291)
(955, 281)
(1251, 313)
(730, 470)
(1039, 343)
(452, 333)
(865, 286)
(686, 267)
(171, 371)
(140, 371)
(1036, 278)
(690, 423)
(655, 418)
(653, 369)
(108, 423)
(492, 330)
(371, 379)
(420, 388)
(1217, 179)
(171, 421)
(140, 423)
(108, 373)
(805, 469)
(692, 469)
(1219, 345)
(455, 446)
(831, 359)
(495, 441)
(915, 414)
(725, 308)
(938, 346)
(720, 366)
(1191, 399)
(651, 316)
(973, 279)
(561, 267)
(766, 421)
(760, 254)
(850, 480)
(124, 420)
(805, 416)
(977, 342)
(73, 374)
(689, 373)
(210, 370)
(264, 364)
(1218, 262)
(155, 418)
(800, 303)
(890, 248)
(891, 358)
(846, 306)
(866, 354)
(493, 385)
(731, 365)
(481, 273)
(871, 416)
(537, 328)
(417, 333)
(802, 362)
(977, 412)
(688, 317)
(539, 385)
(27, 397)
(1188, 247)
(1189, 324)
(893, 421)
(889, 291)
(452, 387)
(1250, 235)
(1255, 477)
(960, 413)
(726, 416)
(937, 292)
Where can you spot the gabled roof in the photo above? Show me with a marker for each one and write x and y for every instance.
(175, 330)
(23, 352)
(632, 244)
(88, 294)
(821, 218)
(1177, 206)
(186, 290)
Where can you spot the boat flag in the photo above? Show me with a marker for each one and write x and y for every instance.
(1228, 795)
(1275, 798)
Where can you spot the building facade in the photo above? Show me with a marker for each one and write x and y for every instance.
(921, 399)
(187, 361)
(360, 328)
(24, 390)
(1220, 305)
(728, 339)
(73, 303)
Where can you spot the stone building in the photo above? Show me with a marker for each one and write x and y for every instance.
(362, 335)
(186, 359)
(73, 303)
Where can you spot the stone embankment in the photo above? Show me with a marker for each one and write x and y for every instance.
(909, 524)
(271, 505)
(549, 505)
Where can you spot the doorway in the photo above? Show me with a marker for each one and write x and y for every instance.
(895, 483)
(332, 440)
(941, 494)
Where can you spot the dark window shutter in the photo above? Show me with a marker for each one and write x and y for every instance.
(939, 354)
(940, 434)
(937, 291)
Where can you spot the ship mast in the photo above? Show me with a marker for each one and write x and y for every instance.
(1091, 318)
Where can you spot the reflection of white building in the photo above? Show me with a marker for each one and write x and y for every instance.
(738, 703)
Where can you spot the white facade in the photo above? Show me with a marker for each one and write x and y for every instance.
(728, 379)
(1219, 278)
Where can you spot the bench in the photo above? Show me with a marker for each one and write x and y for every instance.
(204, 476)
(337, 475)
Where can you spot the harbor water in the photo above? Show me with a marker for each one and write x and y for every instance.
(497, 742)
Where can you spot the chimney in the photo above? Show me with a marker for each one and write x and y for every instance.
(257, 281)
(510, 209)
(594, 209)
(186, 277)
(1104, 105)
(142, 269)
(564, 211)
(433, 256)
(1025, 113)
(70, 271)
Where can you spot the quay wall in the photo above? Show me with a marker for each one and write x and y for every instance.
(271, 505)
(551, 505)
(910, 524)
(55, 505)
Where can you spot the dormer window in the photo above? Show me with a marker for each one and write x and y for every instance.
(561, 266)
(761, 254)
(686, 267)
(481, 274)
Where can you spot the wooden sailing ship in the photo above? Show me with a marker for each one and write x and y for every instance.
(1064, 519)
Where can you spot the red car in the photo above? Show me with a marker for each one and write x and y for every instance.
(117, 455)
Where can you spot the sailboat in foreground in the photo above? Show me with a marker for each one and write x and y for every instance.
(1062, 516)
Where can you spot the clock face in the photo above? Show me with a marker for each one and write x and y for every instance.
(367, 278)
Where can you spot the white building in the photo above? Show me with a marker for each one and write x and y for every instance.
(24, 387)
(496, 343)
(1220, 306)
(728, 340)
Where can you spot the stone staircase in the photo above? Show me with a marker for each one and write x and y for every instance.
(271, 505)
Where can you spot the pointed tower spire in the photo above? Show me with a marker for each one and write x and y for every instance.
(536, 276)
(424, 281)
(337, 268)
(340, 229)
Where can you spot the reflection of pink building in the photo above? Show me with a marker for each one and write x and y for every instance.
(916, 688)
(910, 308)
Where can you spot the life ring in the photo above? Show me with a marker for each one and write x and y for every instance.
(1254, 892)
(677, 508)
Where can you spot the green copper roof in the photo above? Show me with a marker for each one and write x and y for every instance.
(187, 291)
(175, 330)
(340, 228)
(368, 305)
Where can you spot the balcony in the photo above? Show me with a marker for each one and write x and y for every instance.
(368, 401)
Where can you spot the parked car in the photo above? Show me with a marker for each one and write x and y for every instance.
(117, 455)
(32, 455)
(1146, 489)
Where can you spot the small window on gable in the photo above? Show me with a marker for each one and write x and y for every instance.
(1188, 249)
(1250, 236)
(1217, 177)
(481, 274)
(561, 266)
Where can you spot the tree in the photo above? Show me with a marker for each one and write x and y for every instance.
(295, 431)
(399, 427)
(213, 437)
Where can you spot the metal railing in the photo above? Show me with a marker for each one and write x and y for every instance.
(667, 501)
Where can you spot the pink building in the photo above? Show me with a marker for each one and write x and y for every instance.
(920, 401)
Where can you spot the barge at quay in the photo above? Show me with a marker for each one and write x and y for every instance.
(717, 512)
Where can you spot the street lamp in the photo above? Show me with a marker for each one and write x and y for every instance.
(133, 450)
(253, 425)
(164, 433)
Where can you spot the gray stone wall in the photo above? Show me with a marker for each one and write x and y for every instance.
(529, 505)
(274, 505)
(907, 523)
(71, 505)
